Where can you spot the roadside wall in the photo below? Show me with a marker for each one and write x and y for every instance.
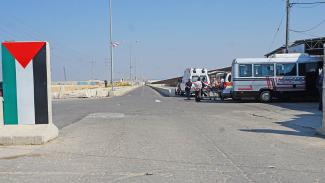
(163, 90)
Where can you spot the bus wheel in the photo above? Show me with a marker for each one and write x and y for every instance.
(265, 96)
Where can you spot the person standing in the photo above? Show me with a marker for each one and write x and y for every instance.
(214, 88)
(320, 89)
(205, 88)
(198, 89)
(188, 86)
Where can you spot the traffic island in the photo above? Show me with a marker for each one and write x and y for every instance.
(27, 134)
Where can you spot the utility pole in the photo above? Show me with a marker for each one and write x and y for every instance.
(65, 73)
(130, 52)
(135, 60)
(288, 7)
(135, 69)
(111, 41)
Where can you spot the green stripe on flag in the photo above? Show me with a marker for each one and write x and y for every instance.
(9, 88)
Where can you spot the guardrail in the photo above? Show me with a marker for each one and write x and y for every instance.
(163, 90)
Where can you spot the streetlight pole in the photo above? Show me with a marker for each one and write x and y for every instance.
(135, 60)
(111, 41)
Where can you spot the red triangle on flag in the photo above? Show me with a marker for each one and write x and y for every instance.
(24, 52)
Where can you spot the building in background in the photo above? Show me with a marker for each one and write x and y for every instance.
(309, 46)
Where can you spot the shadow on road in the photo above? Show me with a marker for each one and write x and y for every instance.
(304, 120)
(296, 130)
(299, 125)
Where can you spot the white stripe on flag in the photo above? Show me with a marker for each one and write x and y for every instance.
(25, 94)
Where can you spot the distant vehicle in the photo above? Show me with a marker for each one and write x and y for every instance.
(193, 74)
(264, 78)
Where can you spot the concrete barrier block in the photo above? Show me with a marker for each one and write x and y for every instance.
(27, 134)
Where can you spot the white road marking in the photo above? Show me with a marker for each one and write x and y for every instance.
(158, 101)
(106, 115)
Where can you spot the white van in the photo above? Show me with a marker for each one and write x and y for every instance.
(193, 74)
(263, 78)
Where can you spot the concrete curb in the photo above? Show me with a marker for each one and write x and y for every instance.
(167, 92)
(27, 134)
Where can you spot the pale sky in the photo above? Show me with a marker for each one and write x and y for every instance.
(167, 36)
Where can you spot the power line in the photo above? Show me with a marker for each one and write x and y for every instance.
(310, 29)
(309, 3)
(306, 34)
(290, 5)
(277, 31)
(307, 7)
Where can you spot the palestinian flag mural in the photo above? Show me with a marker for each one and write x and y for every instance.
(26, 83)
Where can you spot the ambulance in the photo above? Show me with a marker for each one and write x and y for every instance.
(193, 74)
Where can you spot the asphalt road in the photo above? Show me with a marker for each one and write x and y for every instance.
(144, 137)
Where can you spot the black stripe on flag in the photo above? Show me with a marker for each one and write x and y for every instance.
(40, 87)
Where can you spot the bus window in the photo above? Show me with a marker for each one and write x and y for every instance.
(245, 70)
(263, 70)
(286, 69)
(305, 68)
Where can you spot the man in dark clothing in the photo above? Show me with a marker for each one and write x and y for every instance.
(320, 90)
(198, 89)
(188, 86)
(203, 87)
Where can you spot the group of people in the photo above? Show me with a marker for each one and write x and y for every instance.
(203, 89)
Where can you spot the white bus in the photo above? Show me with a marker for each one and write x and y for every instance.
(193, 74)
(264, 78)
